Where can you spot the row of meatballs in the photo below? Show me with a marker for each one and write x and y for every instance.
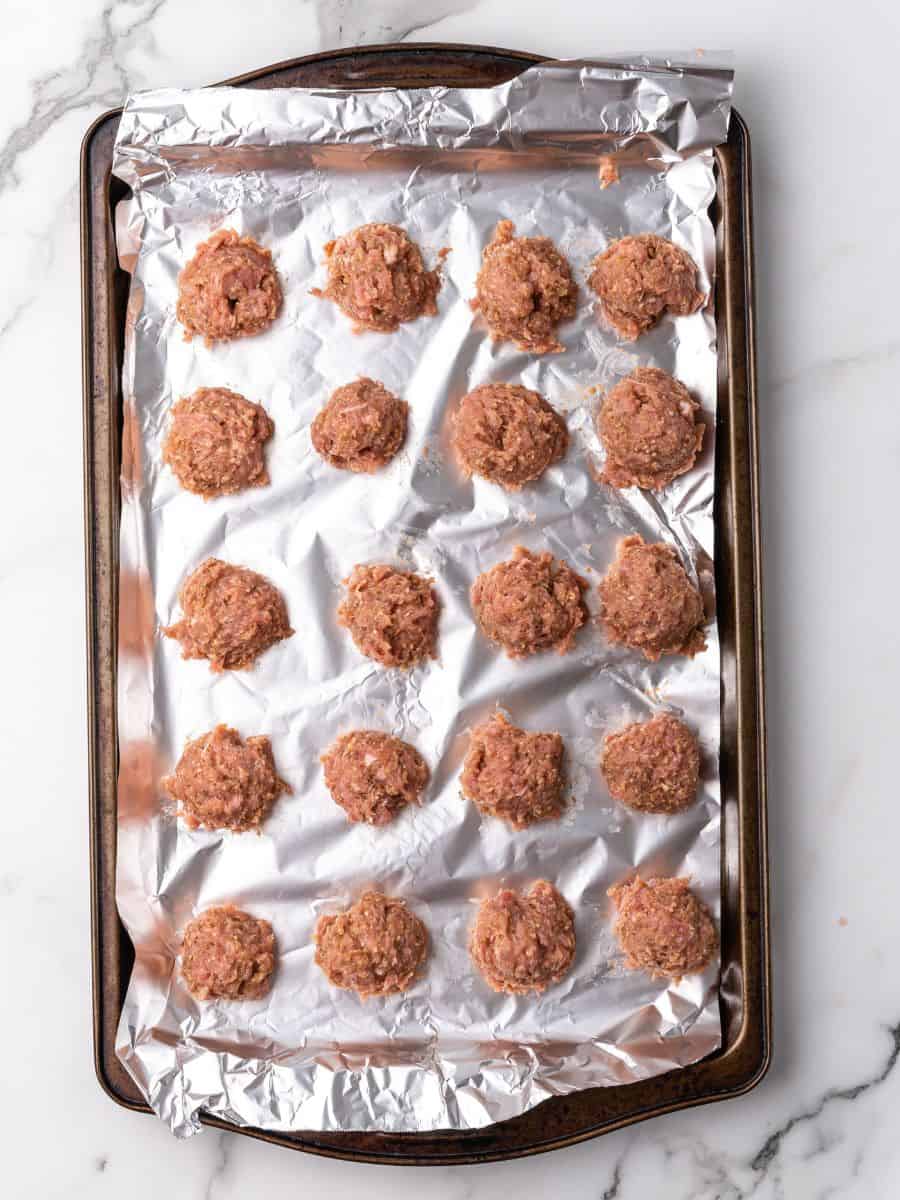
(222, 781)
(504, 433)
(527, 604)
(520, 942)
(377, 278)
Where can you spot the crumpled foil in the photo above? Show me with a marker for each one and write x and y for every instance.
(295, 168)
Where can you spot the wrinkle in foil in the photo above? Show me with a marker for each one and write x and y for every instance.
(295, 168)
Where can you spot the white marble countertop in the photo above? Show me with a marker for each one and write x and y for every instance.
(817, 89)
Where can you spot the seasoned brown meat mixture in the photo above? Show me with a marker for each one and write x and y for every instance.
(229, 289)
(377, 278)
(507, 434)
(392, 615)
(529, 603)
(231, 615)
(649, 429)
(640, 278)
(372, 776)
(662, 927)
(224, 782)
(523, 943)
(524, 289)
(375, 948)
(361, 427)
(227, 955)
(607, 171)
(215, 444)
(653, 766)
(648, 603)
(514, 775)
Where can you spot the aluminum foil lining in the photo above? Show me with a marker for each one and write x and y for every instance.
(295, 168)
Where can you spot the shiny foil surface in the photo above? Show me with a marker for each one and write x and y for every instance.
(294, 169)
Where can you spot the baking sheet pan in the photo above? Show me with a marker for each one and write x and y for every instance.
(745, 992)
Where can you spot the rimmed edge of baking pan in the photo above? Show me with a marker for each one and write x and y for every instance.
(746, 1002)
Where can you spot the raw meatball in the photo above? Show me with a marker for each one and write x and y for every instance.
(648, 603)
(372, 776)
(231, 615)
(224, 782)
(227, 955)
(523, 943)
(653, 766)
(508, 434)
(375, 948)
(524, 289)
(392, 615)
(361, 427)
(514, 775)
(648, 427)
(215, 443)
(640, 278)
(662, 927)
(228, 290)
(377, 278)
(530, 602)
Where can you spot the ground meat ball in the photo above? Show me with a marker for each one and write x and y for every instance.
(507, 434)
(228, 290)
(514, 775)
(392, 615)
(231, 615)
(375, 948)
(227, 955)
(653, 766)
(361, 427)
(523, 943)
(377, 278)
(524, 289)
(224, 782)
(529, 603)
(640, 278)
(648, 427)
(662, 927)
(648, 603)
(372, 776)
(215, 443)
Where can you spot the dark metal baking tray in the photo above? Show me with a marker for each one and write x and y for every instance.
(745, 985)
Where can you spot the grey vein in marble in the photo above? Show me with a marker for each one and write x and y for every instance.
(217, 1175)
(874, 356)
(352, 23)
(770, 1149)
(612, 1192)
(78, 86)
(9, 883)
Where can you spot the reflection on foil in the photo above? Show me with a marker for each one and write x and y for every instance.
(293, 169)
(139, 778)
(137, 619)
